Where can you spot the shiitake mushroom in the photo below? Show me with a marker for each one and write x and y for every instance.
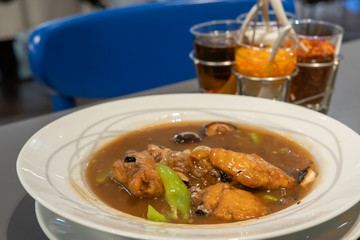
(305, 176)
(128, 159)
(187, 137)
(224, 177)
(217, 128)
(302, 174)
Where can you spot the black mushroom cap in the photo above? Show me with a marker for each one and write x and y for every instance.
(200, 212)
(128, 159)
(216, 128)
(187, 137)
(302, 174)
(224, 177)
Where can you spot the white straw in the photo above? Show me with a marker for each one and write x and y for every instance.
(265, 13)
(275, 47)
(280, 13)
(247, 20)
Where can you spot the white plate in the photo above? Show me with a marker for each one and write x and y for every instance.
(346, 226)
(51, 164)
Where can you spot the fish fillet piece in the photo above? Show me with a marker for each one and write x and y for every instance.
(250, 169)
(231, 204)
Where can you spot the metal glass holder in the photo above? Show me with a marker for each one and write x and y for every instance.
(276, 88)
(214, 76)
(320, 100)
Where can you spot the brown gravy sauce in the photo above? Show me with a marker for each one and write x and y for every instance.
(274, 148)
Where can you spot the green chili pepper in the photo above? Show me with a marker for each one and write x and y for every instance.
(101, 177)
(255, 137)
(154, 215)
(281, 151)
(271, 198)
(176, 192)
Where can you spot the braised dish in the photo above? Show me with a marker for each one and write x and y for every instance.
(201, 172)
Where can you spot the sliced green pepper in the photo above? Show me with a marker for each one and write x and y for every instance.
(101, 177)
(176, 192)
(255, 137)
(154, 215)
(271, 198)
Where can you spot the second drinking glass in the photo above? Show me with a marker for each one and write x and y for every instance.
(263, 67)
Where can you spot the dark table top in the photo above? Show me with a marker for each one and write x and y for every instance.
(17, 209)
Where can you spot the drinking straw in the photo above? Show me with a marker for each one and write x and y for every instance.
(281, 15)
(275, 47)
(265, 13)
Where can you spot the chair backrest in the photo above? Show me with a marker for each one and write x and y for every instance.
(113, 52)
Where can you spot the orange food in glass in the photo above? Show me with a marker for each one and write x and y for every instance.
(318, 51)
(254, 61)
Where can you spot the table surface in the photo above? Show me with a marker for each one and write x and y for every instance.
(17, 209)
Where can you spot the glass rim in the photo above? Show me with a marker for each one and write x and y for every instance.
(243, 15)
(210, 63)
(339, 28)
(259, 48)
(214, 33)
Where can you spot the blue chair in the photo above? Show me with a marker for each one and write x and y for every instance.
(112, 52)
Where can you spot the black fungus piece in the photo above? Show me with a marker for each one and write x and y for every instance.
(224, 177)
(129, 159)
(302, 174)
(199, 212)
(186, 137)
(216, 128)
(186, 183)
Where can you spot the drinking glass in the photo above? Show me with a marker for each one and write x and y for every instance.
(213, 55)
(317, 65)
(257, 73)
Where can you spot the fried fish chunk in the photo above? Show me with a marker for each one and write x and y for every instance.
(231, 204)
(250, 169)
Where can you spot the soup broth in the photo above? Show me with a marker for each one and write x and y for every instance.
(277, 150)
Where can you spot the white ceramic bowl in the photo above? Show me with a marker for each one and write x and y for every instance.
(51, 164)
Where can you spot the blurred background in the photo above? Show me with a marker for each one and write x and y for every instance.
(21, 97)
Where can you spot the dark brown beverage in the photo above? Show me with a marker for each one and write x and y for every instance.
(214, 67)
(216, 49)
